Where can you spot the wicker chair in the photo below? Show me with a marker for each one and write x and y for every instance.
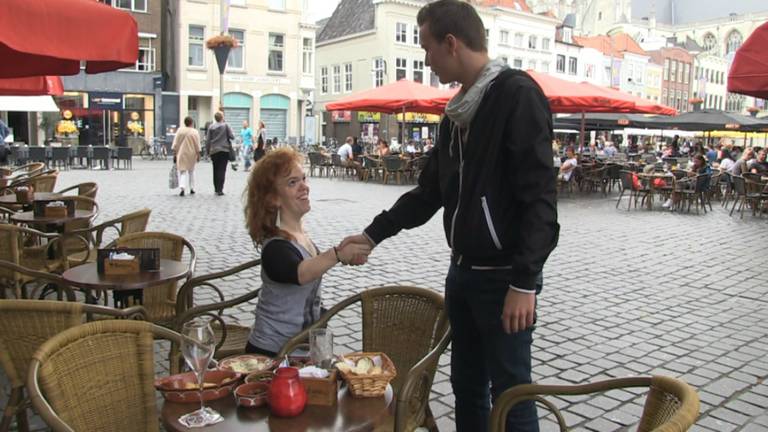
(88, 189)
(671, 404)
(28, 248)
(44, 182)
(393, 165)
(160, 300)
(410, 325)
(76, 251)
(26, 325)
(29, 169)
(231, 338)
(33, 284)
(98, 377)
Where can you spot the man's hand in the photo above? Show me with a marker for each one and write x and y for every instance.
(518, 311)
(360, 240)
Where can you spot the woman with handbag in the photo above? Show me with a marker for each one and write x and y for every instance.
(218, 145)
(186, 154)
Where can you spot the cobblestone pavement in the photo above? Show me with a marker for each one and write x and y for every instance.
(626, 293)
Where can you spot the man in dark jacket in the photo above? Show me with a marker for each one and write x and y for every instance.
(491, 171)
(218, 144)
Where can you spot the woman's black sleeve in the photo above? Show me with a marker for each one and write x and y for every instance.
(280, 260)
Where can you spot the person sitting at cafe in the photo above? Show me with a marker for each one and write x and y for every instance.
(292, 266)
(382, 148)
(346, 154)
(411, 147)
(759, 165)
(725, 162)
(610, 149)
(700, 167)
(428, 145)
(568, 167)
(357, 148)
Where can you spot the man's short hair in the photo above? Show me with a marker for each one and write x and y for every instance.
(188, 121)
(218, 116)
(457, 18)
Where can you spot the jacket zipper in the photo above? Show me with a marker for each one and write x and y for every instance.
(458, 200)
(489, 222)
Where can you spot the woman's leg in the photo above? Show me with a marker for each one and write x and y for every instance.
(182, 181)
(191, 180)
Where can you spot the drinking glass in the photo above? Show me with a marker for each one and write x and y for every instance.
(321, 347)
(197, 346)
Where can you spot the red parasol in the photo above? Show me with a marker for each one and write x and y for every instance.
(749, 70)
(52, 37)
(400, 96)
(31, 86)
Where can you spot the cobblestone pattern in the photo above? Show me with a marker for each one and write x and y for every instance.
(626, 293)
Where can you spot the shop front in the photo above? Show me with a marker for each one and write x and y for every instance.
(418, 126)
(105, 118)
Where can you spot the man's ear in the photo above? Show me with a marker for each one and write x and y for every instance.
(453, 43)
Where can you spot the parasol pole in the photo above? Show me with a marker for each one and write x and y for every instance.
(581, 132)
(402, 131)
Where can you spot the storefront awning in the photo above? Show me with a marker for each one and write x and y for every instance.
(28, 103)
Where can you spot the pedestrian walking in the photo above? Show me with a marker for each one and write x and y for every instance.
(246, 135)
(261, 139)
(491, 172)
(186, 154)
(218, 145)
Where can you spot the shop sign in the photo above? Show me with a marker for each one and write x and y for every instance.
(105, 101)
(341, 116)
(368, 117)
(419, 118)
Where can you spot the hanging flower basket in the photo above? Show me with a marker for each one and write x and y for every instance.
(221, 41)
(696, 100)
(753, 109)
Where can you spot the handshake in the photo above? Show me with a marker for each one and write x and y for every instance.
(354, 250)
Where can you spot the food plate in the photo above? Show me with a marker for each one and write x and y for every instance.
(247, 363)
(183, 387)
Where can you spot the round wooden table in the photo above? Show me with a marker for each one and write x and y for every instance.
(29, 218)
(86, 276)
(349, 414)
(11, 198)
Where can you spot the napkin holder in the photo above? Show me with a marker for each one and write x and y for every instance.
(25, 196)
(40, 209)
(144, 260)
(322, 391)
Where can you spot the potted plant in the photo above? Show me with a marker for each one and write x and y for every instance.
(696, 102)
(221, 45)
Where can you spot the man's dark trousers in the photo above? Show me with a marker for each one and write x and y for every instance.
(220, 161)
(475, 301)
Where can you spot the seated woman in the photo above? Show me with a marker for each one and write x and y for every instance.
(382, 148)
(277, 198)
(700, 167)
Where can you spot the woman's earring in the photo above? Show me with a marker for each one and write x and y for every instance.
(277, 219)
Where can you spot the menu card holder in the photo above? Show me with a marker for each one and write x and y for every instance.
(322, 391)
(144, 260)
(40, 209)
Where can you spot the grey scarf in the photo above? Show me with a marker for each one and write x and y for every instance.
(462, 107)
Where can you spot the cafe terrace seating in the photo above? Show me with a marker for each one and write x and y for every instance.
(230, 337)
(410, 325)
(78, 253)
(160, 300)
(27, 247)
(98, 377)
(670, 406)
(87, 189)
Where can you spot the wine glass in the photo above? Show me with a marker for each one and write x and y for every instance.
(197, 346)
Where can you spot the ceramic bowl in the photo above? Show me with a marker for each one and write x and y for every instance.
(183, 387)
(247, 363)
(264, 377)
(252, 394)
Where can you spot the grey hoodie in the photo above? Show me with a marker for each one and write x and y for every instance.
(218, 138)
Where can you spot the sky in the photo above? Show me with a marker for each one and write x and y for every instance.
(319, 9)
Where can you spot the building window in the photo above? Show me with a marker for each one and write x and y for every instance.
(401, 68)
(560, 63)
(666, 69)
(504, 37)
(545, 67)
(532, 65)
(518, 40)
(336, 79)
(599, 16)
(276, 47)
(235, 59)
(418, 71)
(324, 80)
(401, 32)
(131, 5)
(378, 72)
(673, 70)
(146, 60)
(347, 77)
(734, 42)
(504, 59)
(664, 96)
(196, 51)
(572, 65)
(696, 73)
(686, 73)
(416, 40)
(307, 52)
(277, 5)
(545, 44)
(532, 40)
(517, 63)
(434, 80)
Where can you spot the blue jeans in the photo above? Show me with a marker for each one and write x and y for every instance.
(482, 353)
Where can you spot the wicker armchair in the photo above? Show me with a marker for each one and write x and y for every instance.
(88, 189)
(44, 182)
(29, 169)
(26, 325)
(32, 284)
(28, 248)
(160, 300)
(78, 253)
(98, 377)
(231, 338)
(410, 325)
(393, 165)
(671, 404)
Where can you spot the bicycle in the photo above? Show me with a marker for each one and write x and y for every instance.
(154, 151)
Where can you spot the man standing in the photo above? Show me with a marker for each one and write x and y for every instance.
(218, 145)
(491, 171)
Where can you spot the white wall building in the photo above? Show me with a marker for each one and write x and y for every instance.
(709, 76)
(524, 40)
(269, 76)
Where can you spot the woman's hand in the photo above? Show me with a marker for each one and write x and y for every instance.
(353, 253)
